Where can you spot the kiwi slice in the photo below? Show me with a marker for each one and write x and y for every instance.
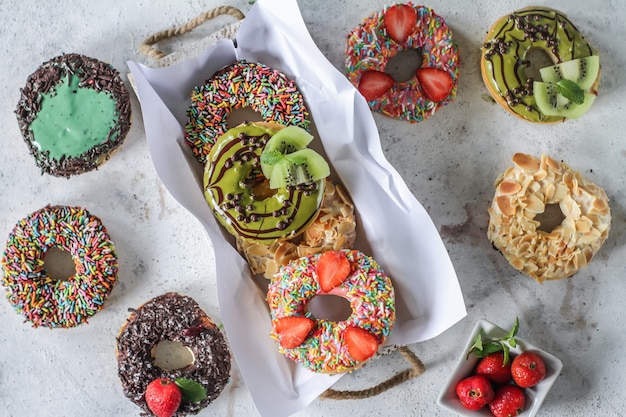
(551, 103)
(300, 167)
(285, 141)
(583, 71)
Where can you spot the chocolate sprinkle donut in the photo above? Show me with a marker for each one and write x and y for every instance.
(177, 318)
(45, 82)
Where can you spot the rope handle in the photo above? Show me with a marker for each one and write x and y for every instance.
(417, 368)
(147, 47)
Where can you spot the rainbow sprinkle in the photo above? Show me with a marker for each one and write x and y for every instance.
(369, 48)
(243, 84)
(369, 292)
(48, 302)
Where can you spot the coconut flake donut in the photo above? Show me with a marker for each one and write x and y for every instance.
(523, 192)
(321, 345)
(74, 112)
(237, 191)
(50, 302)
(176, 318)
(504, 57)
(333, 229)
(242, 84)
(381, 37)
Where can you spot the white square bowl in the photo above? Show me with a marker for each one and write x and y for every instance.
(464, 367)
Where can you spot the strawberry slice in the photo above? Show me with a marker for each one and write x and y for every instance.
(436, 83)
(399, 20)
(333, 267)
(374, 84)
(361, 344)
(293, 330)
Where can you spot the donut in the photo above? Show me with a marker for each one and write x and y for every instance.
(176, 318)
(334, 228)
(525, 192)
(238, 192)
(73, 113)
(243, 84)
(385, 34)
(322, 345)
(55, 303)
(505, 61)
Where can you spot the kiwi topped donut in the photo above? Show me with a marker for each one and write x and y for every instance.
(258, 201)
(243, 84)
(334, 228)
(385, 34)
(322, 345)
(47, 301)
(524, 192)
(176, 318)
(73, 113)
(504, 63)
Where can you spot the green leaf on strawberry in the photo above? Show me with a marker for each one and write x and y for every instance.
(192, 391)
(481, 348)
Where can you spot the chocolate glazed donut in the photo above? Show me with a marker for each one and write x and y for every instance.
(180, 319)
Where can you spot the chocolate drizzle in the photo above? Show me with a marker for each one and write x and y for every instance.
(505, 50)
(93, 74)
(177, 318)
(241, 207)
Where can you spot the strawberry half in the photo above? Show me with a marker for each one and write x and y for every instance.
(436, 83)
(361, 344)
(374, 84)
(399, 20)
(293, 330)
(333, 267)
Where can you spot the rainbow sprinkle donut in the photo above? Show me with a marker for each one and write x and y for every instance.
(327, 347)
(383, 35)
(48, 302)
(242, 84)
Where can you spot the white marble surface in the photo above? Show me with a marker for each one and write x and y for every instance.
(449, 162)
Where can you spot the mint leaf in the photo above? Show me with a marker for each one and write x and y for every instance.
(571, 91)
(271, 157)
(481, 348)
(192, 391)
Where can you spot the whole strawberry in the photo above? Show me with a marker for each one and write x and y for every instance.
(163, 397)
(495, 368)
(474, 392)
(509, 401)
(528, 369)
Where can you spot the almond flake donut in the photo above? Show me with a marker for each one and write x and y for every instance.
(381, 37)
(322, 345)
(48, 302)
(522, 193)
(242, 84)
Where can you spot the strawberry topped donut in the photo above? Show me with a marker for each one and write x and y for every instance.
(323, 345)
(381, 37)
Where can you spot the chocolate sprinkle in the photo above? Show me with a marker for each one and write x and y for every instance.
(93, 74)
(180, 319)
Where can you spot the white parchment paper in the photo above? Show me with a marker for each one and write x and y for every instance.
(398, 231)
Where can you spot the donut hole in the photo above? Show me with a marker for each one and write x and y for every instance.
(551, 217)
(241, 115)
(329, 307)
(537, 58)
(59, 264)
(403, 66)
(170, 355)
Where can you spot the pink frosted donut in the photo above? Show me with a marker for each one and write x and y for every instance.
(381, 37)
(326, 346)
